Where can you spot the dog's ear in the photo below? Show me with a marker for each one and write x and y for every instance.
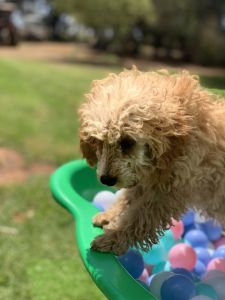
(89, 151)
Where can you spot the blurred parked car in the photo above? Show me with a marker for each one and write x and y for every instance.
(66, 28)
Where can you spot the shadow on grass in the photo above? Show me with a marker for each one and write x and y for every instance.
(113, 61)
(215, 82)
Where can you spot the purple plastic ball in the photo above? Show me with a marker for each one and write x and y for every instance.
(199, 268)
(184, 272)
(219, 252)
(203, 255)
(178, 287)
(133, 262)
(188, 218)
(196, 238)
(212, 229)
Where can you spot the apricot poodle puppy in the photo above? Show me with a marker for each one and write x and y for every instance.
(160, 137)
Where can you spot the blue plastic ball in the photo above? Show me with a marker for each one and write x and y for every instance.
(157, 281)
(219, 252)
(199, 268)
(178, 287)
(203, 255)
(133, 262)
(212, 229)
(196, 238)
(183, 272)
(189, 228)
(188, 218)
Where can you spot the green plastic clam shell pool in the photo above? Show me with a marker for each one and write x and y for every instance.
(73, 185)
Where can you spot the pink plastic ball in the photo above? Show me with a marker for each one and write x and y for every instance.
(177, 229)
(217, 264)
(149, 268)
(220, 242)
(144, 276)
(182, 256)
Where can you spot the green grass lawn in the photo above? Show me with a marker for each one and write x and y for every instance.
(38, 103)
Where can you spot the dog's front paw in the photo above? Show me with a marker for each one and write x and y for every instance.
(100, 219)
(110, 242)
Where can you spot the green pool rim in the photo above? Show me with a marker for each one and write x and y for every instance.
(104, 268)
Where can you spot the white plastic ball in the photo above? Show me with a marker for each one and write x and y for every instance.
(105, 199)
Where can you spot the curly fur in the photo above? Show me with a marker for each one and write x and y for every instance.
(177, 160)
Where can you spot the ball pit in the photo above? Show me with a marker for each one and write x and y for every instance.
(174, 268)
(73, 186)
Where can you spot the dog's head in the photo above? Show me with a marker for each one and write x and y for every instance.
(132, 124)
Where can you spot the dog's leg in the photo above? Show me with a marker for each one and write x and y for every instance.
(140, 225)
(108, 218)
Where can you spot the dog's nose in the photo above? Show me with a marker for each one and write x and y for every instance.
(108, 180)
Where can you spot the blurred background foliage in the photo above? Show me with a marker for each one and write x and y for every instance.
(192, 31)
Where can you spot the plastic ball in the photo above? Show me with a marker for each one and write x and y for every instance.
(167, 266)
(144, 276)
(218, 283)
(182, 256)
(199, 218)
(177, 229)
(212, 229)
(188, 218)
(150, 278)
(157, 281)
(206, 290)
(183, 272)
(196, 238)
(220, 242)
(199, 268)
(159, 267)
(217, 264)
(149, 268)
(219, 252)
(105, 199)
(177, 287)
(133, 262)
(203, 254)
(98, 206)
(211, 246)
(189, 228)
(155, 255)
(167, 240)
(119, 192)
(213, 273)
(201, 297)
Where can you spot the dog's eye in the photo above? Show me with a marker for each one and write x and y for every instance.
(127, 144)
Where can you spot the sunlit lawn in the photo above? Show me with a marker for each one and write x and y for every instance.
(38, 103)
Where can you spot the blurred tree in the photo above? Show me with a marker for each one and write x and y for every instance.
(191, 27)
(113, 21)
